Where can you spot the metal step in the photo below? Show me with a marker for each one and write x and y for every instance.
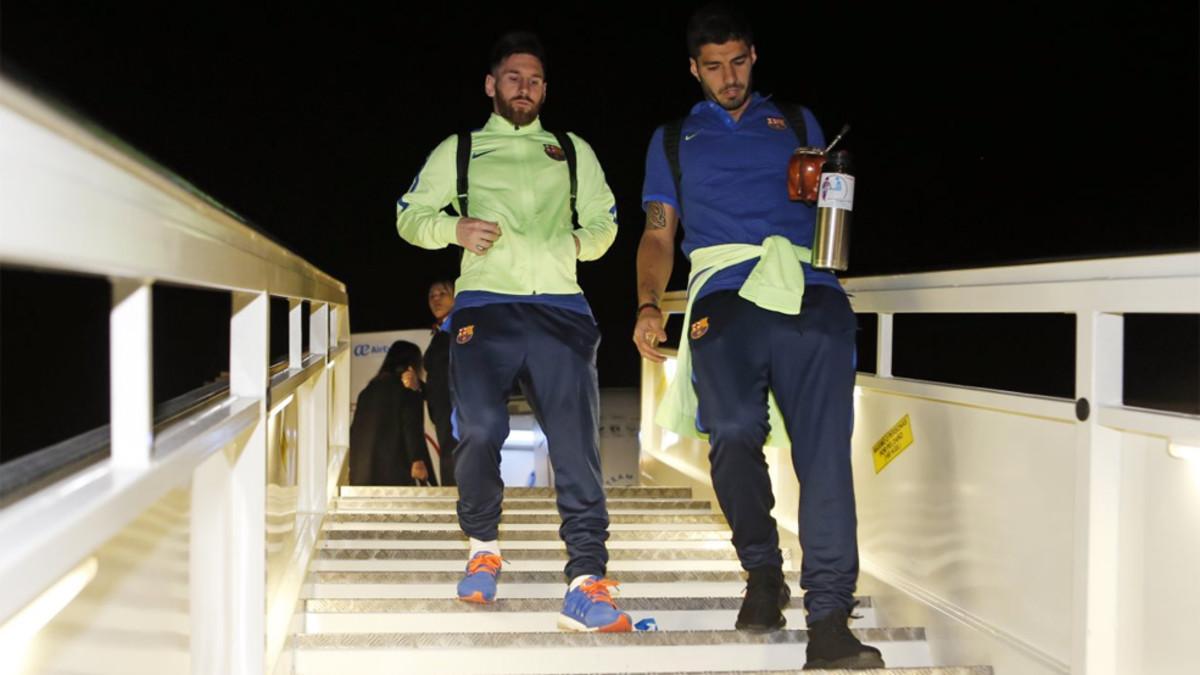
(682, 651)
(349, 504)
(528, 518)
(667, 537)
(631, 492)
(531, 615)
(511, 554)
(943, 670)
(548, 540)
(524, 584)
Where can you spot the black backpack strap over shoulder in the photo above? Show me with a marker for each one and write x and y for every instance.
(794, 113)
(464, 165)
(568, 147)
(671, 132)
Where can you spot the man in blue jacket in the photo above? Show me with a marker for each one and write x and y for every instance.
(765, 332)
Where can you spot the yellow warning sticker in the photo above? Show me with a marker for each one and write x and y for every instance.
(895, 441)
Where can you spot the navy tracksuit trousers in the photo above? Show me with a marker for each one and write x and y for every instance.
(739, 350)
(551, 354)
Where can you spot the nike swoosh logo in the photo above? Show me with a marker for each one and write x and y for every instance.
(477, 155)
(691, 135)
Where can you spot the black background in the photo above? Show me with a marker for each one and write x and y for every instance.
(983, 135)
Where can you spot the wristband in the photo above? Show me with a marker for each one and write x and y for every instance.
(645, 305)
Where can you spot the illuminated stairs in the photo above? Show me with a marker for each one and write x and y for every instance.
(381, 587)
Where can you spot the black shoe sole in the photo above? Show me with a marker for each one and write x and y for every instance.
(857, 662)
(761, 627)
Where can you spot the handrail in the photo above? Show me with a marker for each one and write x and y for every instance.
(73, 201)
(1098, 293)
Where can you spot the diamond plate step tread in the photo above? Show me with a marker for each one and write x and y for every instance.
(643, 639)
(523, 535)
(389, 504)
(519, 554)
(627, 492)
(501, 605)
(515, 577)
(527, 518)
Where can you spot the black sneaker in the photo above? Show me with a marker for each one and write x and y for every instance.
(832, 645)
(766, 594)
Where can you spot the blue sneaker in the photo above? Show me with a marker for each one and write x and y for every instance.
(589, 607)
(479, 585)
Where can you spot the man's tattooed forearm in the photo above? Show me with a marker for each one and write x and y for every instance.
(656, 216)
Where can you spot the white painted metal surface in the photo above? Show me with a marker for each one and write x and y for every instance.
(71, 201)
(1017, 531)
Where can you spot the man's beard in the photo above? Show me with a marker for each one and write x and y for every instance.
(732, 105)
(519, 118)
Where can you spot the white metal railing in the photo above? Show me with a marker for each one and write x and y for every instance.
(1098, 293)
(72, 202)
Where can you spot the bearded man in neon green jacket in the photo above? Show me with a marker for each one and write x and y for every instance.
(530, 203)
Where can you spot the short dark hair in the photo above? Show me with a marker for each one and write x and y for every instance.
(517, 42)
(717, 23)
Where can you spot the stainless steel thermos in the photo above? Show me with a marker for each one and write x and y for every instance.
(835, 202)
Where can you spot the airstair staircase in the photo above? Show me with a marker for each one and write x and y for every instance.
(380, 596)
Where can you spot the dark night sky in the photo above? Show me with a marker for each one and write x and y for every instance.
(983, 133)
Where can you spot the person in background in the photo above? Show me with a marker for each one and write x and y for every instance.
(387, 436)
(437, 378)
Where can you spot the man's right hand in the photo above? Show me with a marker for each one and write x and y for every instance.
(477, 236)
(649, 333)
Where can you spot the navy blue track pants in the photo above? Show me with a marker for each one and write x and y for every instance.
(550, 353)
(738, 351)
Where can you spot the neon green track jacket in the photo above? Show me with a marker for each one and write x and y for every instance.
(517, 178)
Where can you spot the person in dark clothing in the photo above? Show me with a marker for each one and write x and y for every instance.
(437, 378)
(387, 436)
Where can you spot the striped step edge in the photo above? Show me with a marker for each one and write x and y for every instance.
(383, 503)
(520, 577)
(522, 535)
(502, 605)
(933, 670)
(510, 553)
(315, 641)
(526, 518)
(542, 492)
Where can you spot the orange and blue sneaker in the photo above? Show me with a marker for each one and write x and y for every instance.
(589, 607)
(479, 585)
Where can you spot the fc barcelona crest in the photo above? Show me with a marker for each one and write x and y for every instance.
(699, 328)
(465, 334)
(555, 153)
(777, 123)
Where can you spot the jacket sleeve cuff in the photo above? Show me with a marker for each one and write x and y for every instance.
(446, 230)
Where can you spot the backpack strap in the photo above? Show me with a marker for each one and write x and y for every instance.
(568, 147)
(671, 132)
(794, 113)
(464, 165)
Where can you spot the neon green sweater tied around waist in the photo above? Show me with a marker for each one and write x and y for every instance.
(776, 283)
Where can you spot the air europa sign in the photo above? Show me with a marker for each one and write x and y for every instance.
(370, 350)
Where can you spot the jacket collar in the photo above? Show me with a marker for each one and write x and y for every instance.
(498, 124)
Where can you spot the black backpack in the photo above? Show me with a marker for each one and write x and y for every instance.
(794, 113)
(464, 165)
